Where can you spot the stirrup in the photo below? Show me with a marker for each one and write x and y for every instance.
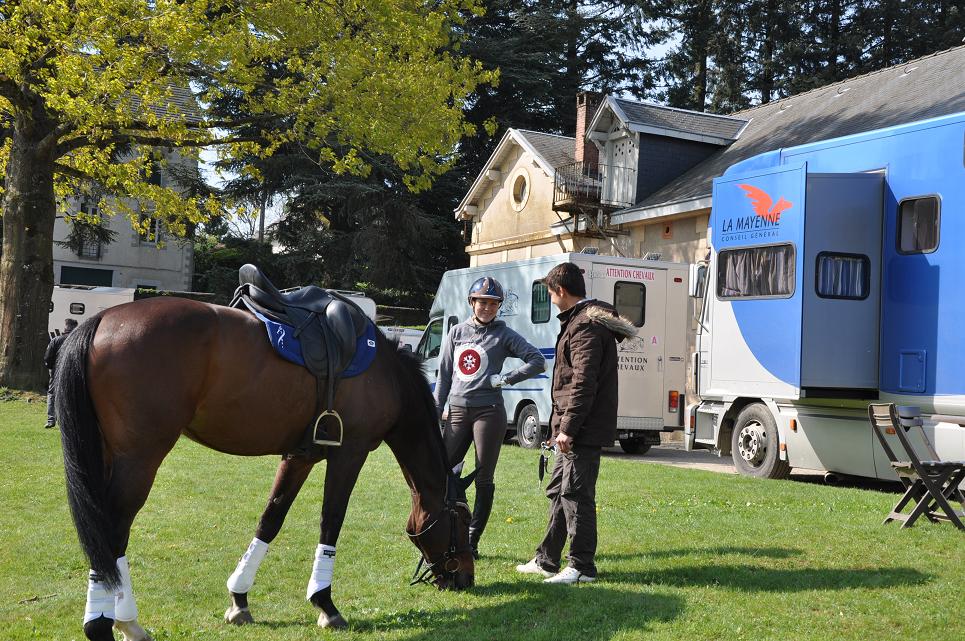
(323, 439)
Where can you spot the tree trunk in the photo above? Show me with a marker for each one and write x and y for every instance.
(766, 85)
(26, 269)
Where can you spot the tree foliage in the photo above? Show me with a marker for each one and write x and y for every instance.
(85, 83)
(728, 55)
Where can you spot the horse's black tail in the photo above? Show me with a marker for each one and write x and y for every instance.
(83, 453)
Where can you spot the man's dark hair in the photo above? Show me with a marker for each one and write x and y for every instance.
(70, 324)
(568, 276)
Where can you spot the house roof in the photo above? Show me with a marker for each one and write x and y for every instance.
(181, 103)
(555, 150)
(647, 117)
(548, 150)
(917, 90)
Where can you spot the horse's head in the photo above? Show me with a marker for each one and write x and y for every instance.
(443, 539)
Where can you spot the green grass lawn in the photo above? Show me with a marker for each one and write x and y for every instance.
(684, 554)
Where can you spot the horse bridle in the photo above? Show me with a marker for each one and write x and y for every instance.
(426, 572)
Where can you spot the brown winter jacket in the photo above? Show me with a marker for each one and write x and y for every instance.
(585, 374)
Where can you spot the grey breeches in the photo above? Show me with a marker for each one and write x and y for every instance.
(486, 427)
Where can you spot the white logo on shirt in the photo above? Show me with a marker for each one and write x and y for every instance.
(471, 361)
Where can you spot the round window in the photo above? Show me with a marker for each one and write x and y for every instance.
(520, 192)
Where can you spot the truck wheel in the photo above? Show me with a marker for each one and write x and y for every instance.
(754, 444)
(634, 445)
(529, 433)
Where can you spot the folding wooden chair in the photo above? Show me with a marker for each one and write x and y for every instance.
(930, 483)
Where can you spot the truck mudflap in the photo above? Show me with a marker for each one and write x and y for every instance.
(690, 426)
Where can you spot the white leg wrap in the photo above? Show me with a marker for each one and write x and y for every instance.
(243, 577)
(322, 569)
(100, 600)
(125, 607)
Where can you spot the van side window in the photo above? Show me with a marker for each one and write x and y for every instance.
(756, 272)
(540, 310)
(918, 225)
(630, 299)
(842, 276)
(431, 340)
(77, 309)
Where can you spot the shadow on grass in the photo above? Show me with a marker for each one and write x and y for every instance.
(763, 579)
(536, 611)
(723, 550)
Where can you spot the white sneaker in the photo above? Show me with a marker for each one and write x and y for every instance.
(532, 568)
(570, 575)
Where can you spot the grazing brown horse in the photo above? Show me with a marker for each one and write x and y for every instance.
(214, 377)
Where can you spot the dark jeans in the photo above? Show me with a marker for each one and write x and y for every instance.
(572, 495)
(51, 419)
(486, 426)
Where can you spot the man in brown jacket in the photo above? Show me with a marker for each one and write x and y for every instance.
(584, 420)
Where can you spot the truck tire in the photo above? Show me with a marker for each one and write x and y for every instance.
(754, 444)
(634, 445)
(529, 432)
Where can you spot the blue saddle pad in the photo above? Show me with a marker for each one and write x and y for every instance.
(284, 341)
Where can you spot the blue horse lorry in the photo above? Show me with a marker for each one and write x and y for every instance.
(836, 278)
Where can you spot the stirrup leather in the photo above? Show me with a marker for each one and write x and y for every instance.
(324, 439)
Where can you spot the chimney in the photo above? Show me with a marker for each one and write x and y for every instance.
(587, 102)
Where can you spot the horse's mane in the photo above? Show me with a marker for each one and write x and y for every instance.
(413, 370)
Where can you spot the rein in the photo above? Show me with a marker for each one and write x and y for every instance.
(425, 571)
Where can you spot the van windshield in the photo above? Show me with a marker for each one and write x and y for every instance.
(431, 339)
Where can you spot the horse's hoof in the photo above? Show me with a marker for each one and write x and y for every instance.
(238, 616)
(99, 629)
(131, 631)
(336, 622)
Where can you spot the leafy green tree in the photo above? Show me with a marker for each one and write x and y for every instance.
(81, 80)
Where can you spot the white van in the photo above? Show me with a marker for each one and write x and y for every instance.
(652, 294)
(408, 338)
(80, 302)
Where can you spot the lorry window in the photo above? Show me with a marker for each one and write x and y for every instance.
(431, 340)
(845, 276)
(918, 223)
(77, 309)
(453, 320)
(540, 310)
(630, 299)
(756, 272)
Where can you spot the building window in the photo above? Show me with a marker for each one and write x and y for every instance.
(630, 299)
(149, 231)
(86, 276)
(918, 225)
(87, 242)
(845, 276)
(756, 272)
(520, 190)
(540, 307)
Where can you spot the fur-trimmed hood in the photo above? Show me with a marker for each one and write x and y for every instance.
(621, 326)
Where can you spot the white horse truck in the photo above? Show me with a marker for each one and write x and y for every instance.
(834, 281)
(652, 294)
(80, 302)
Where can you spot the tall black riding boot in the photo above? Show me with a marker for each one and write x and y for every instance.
(480, 515)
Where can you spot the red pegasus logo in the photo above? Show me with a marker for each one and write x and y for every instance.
(761, 202)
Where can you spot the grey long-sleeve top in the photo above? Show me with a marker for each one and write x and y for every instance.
(471, 353)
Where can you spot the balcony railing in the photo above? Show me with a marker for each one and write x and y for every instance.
(592, 185)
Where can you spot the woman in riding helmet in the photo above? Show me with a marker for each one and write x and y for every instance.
(470, 379)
